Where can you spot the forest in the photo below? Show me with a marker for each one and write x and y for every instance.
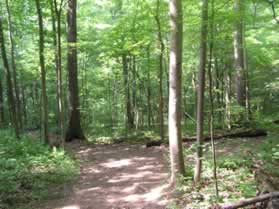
(139, 104)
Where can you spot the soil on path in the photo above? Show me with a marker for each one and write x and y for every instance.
(115, 177)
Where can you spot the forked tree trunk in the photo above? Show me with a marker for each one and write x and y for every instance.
(74, 127)
(44, 119)
(13, 66)
(175, 76)
(201, 87)
(10, 96)
(56, 11)
(160, 73)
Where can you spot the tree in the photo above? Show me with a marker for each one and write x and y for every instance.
(239, 53)
(2, 117)
(129, 114)
(201, 87)
(160, 73)
(175, 76)
(74, 130)
(56, 9)
(44, 119)
(13, 66)
(10, 95)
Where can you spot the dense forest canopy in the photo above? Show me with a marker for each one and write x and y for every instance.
(162, 71)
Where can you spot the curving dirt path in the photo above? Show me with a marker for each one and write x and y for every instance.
(115, 177)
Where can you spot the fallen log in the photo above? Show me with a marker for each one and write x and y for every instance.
(249, 201)
(235, 134)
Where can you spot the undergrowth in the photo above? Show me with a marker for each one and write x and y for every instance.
(28, 169)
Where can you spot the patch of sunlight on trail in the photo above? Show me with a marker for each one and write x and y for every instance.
(71, 207)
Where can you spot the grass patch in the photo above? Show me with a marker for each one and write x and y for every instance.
(28, 169)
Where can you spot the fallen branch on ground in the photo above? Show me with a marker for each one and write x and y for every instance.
(249, 201)
(234, 134)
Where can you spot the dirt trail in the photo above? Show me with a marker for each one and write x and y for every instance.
(115, 176)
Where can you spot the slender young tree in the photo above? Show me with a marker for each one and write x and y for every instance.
(13, 65)
(160, 73)
(201, 88)
(211, 95)
(175, 76)
(10, 95)
(44, 118)
(56, 10)
(74, 127)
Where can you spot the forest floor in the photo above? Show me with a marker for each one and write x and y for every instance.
(114, 176)
(131, 176)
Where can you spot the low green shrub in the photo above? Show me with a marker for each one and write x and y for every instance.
(28, 169)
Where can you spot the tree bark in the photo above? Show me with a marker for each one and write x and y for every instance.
(13, 66)
(228, 100)
(160, 73)
(56, 19)
(129, 115)
(149, 107)
(43, 74)
(239, 54)
(10, 96)
(74, 127)
(2, 117)
(175, 76)
(201, 87)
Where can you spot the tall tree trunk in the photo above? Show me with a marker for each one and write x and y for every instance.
(13, 66)
(43, 74)
(2, 117)
(10, 95)
(201, 87)
(175, 76)
(56, 19)
(211, 96)
(24, 108)
(129, 115)
(149, 107)
(239, 53)
(134, 90)
(74, 127)
(228, 99)
(160, 73)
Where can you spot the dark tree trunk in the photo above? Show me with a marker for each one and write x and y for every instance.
(149, 107)
(2, 117)
(10, 96)
(160, 73)
(74, 127)
(175, 76)
(201, 87)
(134, 91)
(129, 114)
(43, 74)
(24, 108)
(13, 66)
